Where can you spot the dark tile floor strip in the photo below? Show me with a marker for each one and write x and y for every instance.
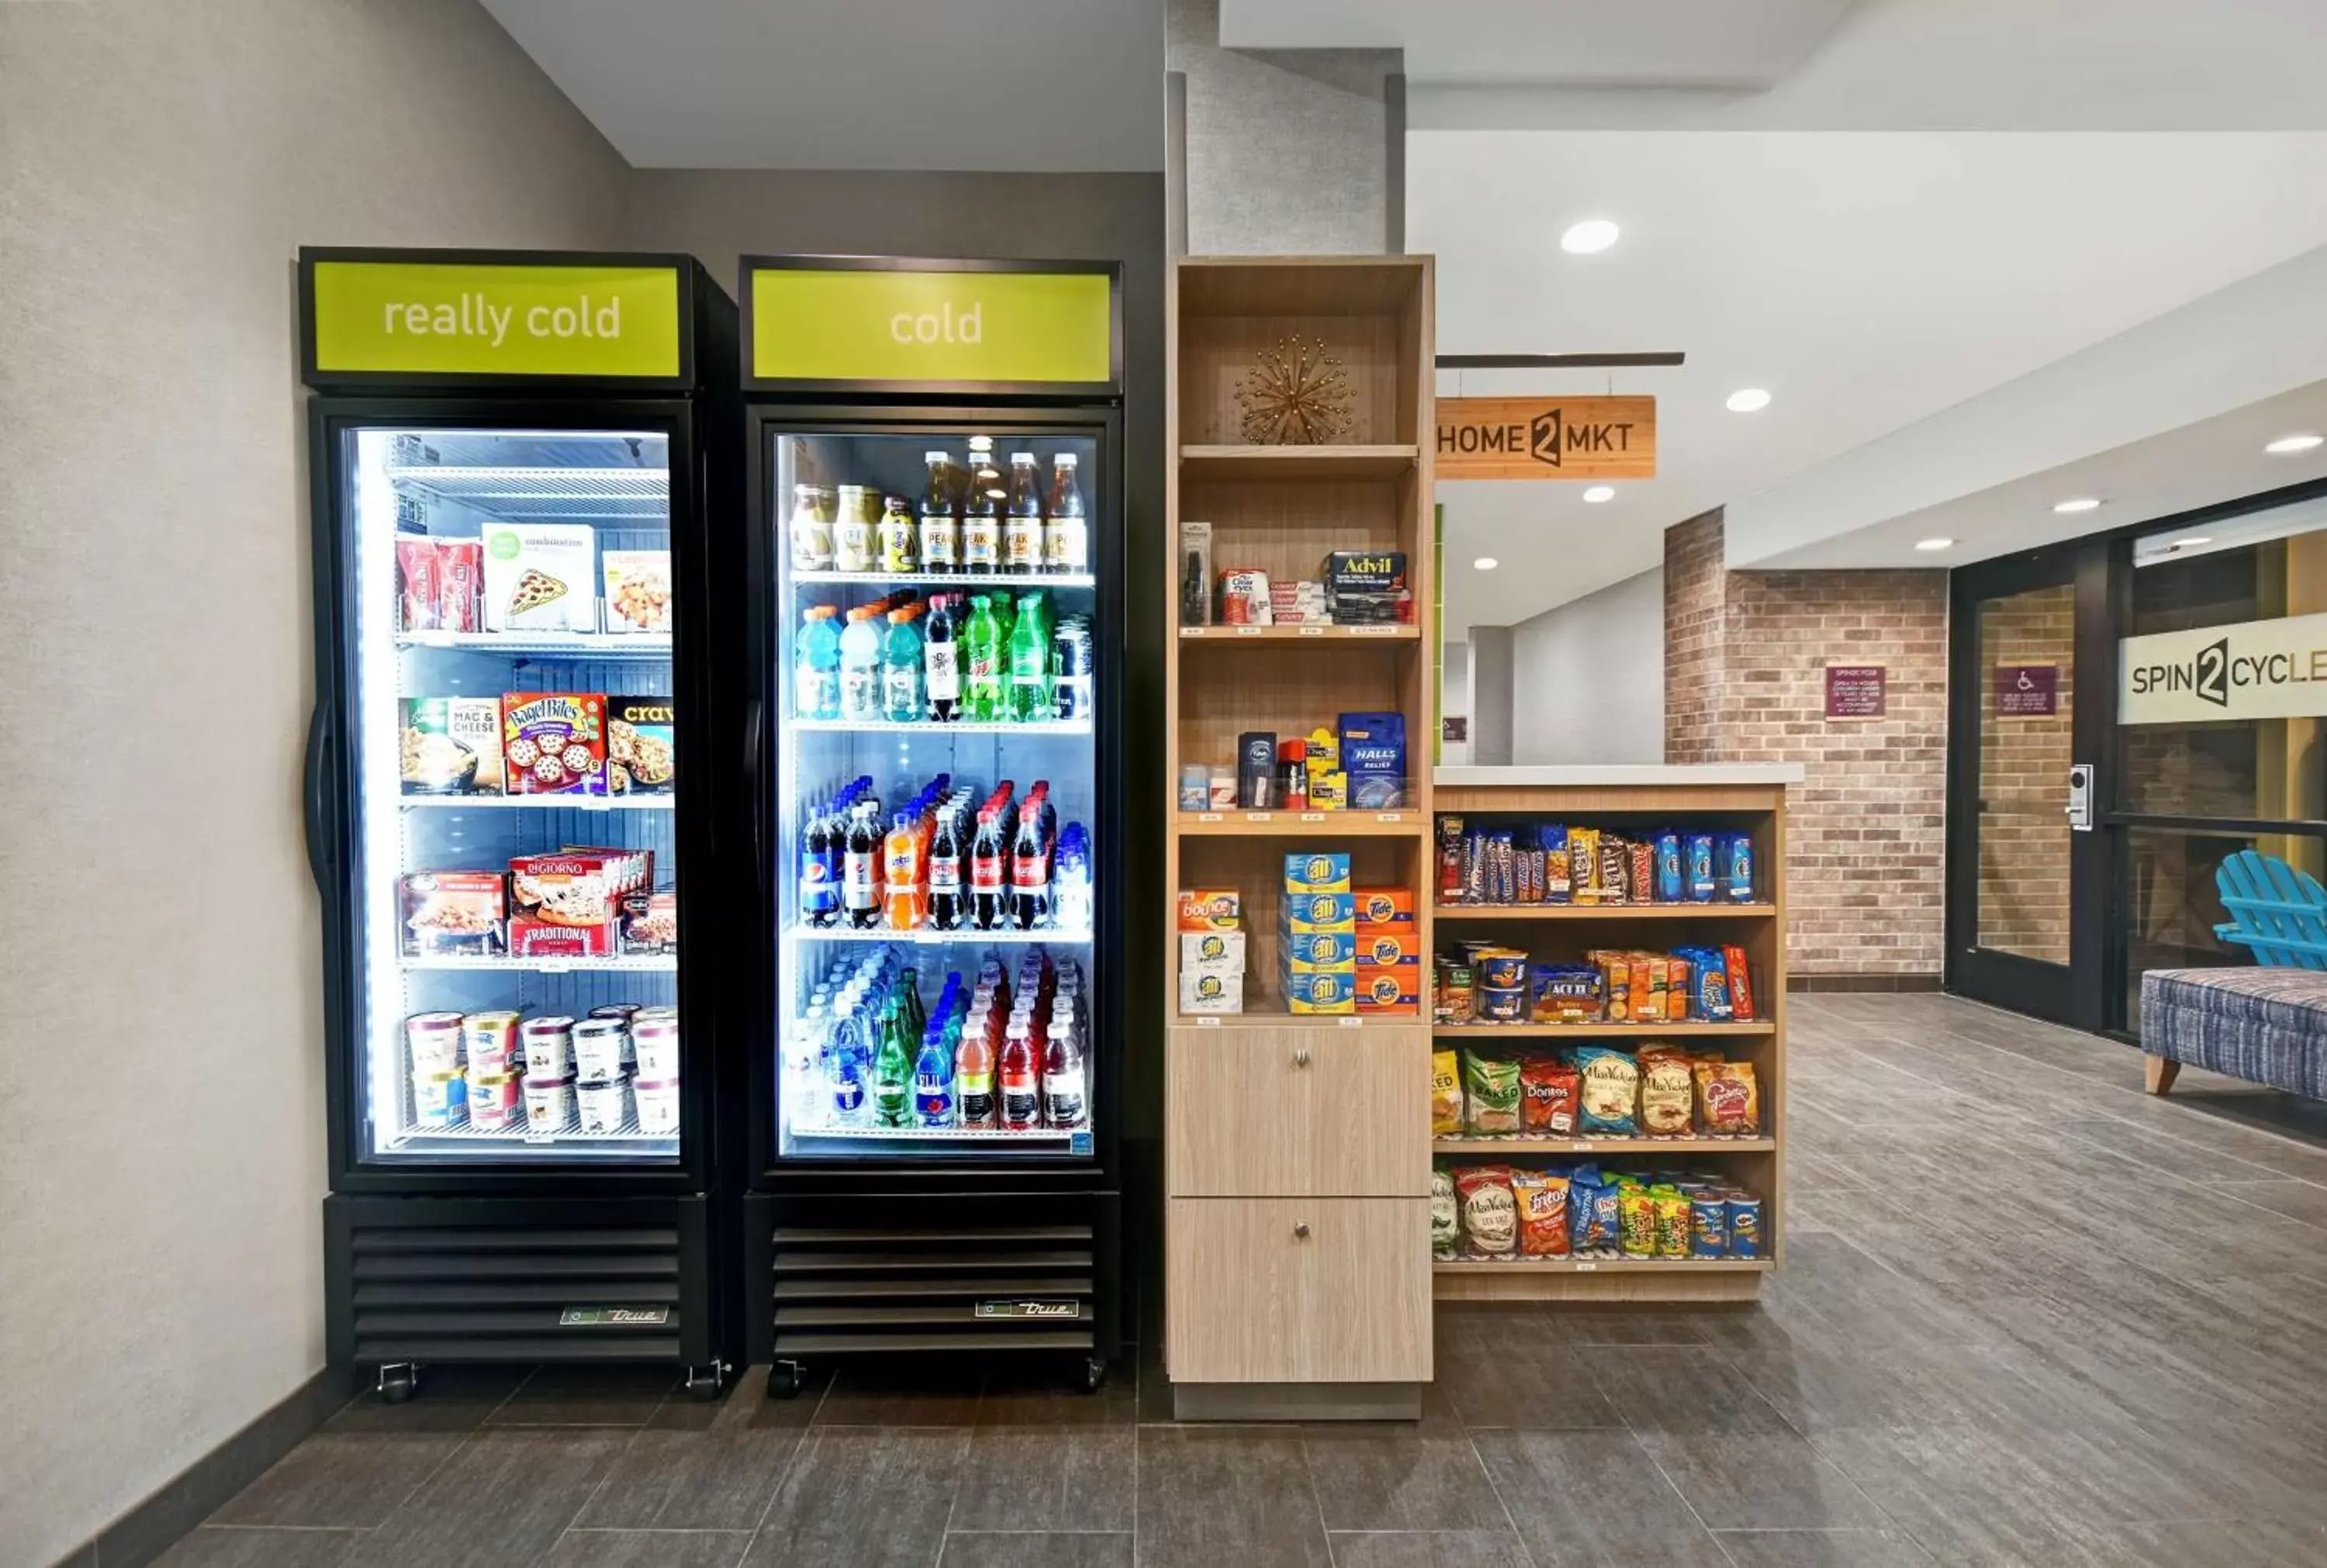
(2029, 1315)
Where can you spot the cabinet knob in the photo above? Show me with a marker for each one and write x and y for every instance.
(1299, 1056)
(1302, 1230)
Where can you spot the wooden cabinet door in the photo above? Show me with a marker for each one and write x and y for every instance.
(1283, 1290)
(1298, 1111)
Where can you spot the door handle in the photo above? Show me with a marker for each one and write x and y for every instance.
(1301, 1231)
(322, 849)
(754, 721)
(1299, 1056)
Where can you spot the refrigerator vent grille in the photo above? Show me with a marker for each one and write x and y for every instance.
(868, 1291)
(499, 1293)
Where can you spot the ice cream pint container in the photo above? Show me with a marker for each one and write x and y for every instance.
(598, 1049)
(439, 1099)
(656, 1041)
(658, 1106)
(605, 1106)
(548, 1104)
(492, 1101)
(548, 1047)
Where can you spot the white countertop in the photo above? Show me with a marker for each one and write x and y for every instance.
(1603, 776)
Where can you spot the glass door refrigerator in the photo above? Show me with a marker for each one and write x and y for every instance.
(934, 1067)
(518, 460)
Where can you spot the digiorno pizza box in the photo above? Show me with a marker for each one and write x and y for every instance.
(540, 577)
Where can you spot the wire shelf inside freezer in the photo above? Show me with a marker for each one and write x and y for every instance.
(1061, 1137)
(537, 802)
(641, 963)
(638, 494)
(609, 644)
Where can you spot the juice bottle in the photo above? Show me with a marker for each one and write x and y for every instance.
(860, 666)
(1022, 1079)
(900, 667)
(941, 521)
(816, 692)
(973, 1071)
(1022, 526)
(1066, 533)
(901, 537)
(905, 894)
(981, 509)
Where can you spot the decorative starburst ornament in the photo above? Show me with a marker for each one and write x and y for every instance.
(1297, 395)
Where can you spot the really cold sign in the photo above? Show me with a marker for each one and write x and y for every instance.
(487, 319)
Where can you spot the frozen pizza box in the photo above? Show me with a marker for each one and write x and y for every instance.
(650, 924)
(637, 589)
(464, 912)
(641, 745)
(540, 577)
(450, 746)
(554, 743)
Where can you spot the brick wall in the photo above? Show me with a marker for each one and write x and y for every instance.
(1865, 846)
(2024, 773)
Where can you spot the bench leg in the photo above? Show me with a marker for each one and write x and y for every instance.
(2158, 1073)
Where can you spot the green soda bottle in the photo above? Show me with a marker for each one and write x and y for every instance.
(981, 644)
(893, 1072)
(1030, 660)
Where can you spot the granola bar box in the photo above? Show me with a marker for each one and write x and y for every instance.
(554, 743)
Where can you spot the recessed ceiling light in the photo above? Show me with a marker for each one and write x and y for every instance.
(1591, 235)
(1934, 544)
(2286, 444)
(1486, 563)
(2077, 504)
(1600, 492)
(2194, 541)
(1748, 400)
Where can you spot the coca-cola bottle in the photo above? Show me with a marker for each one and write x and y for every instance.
(989, 875)
(1030, 871)
(945, 893)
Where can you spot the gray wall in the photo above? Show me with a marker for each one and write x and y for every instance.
(1588, 679)
(161, 1152)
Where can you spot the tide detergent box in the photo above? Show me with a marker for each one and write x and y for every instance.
(1390, 907)
(1373, 755)
(1304, 912)
(1320, 993)
(1389, 947)
(1315, 872)
(1383, 989)
(1311, 950)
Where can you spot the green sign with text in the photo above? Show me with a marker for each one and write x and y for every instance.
(877, 324)
(484, 320)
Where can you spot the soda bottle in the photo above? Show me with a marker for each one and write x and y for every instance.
(940, 660)
(900, 667)
(901, 537)
(1062, 1073)
(940, 522)
(907, 905)
(860, 880)
(843, 1068)
(1022, 525)
(989, 875)
(981, 651)
(816, 669)
(1066, 534)
(946, 892)
(860, 667)
(933, 1080)
(981, 509)
(1022, 1079)
(1030, 660)
(973, 1071)
(1071, 668)
(893, 1072)
(1030, 871)
(820, 890)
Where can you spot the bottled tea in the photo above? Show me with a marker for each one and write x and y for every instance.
(1066, 532)
(981, 509)
(1022, 526)
(940, 522)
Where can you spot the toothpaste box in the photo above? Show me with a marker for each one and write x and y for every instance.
(1208, 910)
(1318, 949)
(1316, 872)
(1373, 755)
(1211, 953)
(1388, 990)
(1320, 993)
(1304, 912)
(1392, 907)
(1211, 993)
(1389, 946)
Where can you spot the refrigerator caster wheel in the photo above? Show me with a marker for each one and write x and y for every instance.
(703, 1383)
(1094, 1374)
(399, 1381)
(786, 1379)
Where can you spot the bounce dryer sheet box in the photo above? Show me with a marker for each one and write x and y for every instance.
(1211, 953)
(1210, 910)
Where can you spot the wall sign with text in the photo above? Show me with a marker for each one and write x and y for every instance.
(929, 324)
(429, 317)
(1855, 691)
(2027, 689)
(2256, 669)
(1579, 438)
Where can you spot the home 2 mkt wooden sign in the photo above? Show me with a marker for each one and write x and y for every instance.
(1579, 438)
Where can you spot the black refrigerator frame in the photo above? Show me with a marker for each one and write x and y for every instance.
(921, 1221)
(502, 1249)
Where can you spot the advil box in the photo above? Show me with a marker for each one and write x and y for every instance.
(1386, 907)
(1304, 913)
(1389, 947)
(1316, 873)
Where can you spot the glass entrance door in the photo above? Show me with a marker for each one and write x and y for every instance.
(2026, 864)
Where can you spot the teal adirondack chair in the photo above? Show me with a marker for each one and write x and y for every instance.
(2279, 912)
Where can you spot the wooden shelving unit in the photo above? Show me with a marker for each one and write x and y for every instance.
(1555, 932)
(1297, 1148)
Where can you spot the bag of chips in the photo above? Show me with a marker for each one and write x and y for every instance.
(1490, 1093)
(1445, 1218)
(1490, 1216)
(1611, 1092)
(1667, 1093)
(1636, 1213)
(1446, 1095)
(1592, 1211)
(1672, 1222)
(1728, 1100)
(1548, 1091)
(1741, 984)
(1541, 1200)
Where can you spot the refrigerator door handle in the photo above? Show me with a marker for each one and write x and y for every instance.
(323, 855)
(754, 722)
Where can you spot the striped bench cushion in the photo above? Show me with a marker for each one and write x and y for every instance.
(2264, 1025)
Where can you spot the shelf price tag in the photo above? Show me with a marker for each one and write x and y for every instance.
(1208, 816)
(1260, 816)
(1207, 1024)
(1582, 1146)
(541, 1137)
(1192, 631)
(1250, 630)
(551, 967)
(594, 802)
(1389, 817)
(1585, 1267)
(1375, 631)
(1350, 1021)
(1312, 631)
(1313, 816)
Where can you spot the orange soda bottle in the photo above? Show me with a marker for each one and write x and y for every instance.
(907, 882)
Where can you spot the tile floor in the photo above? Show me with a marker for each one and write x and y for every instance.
(2028, 1315)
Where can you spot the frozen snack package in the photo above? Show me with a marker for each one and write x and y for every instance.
(419, 604)
(637, 590)
(1445, 1217)
(454, 912)
(641, 745)
(451, 746)
(1446, 1095)
(1728, 1099)
(1490, 1093)
(555, 742)
(1490, 1216)
(1611, 1092)
(1540, 1197)
(539, 577)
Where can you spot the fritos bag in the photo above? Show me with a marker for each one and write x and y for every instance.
(1489, 1214)
(1728, 1100)
(1540, 1197)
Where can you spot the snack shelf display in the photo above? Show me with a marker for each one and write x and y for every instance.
(1300, 704)
(514, 752)
(1608, 1001)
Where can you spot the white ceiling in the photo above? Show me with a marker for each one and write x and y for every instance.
(1869, 281)
(1001, 86)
